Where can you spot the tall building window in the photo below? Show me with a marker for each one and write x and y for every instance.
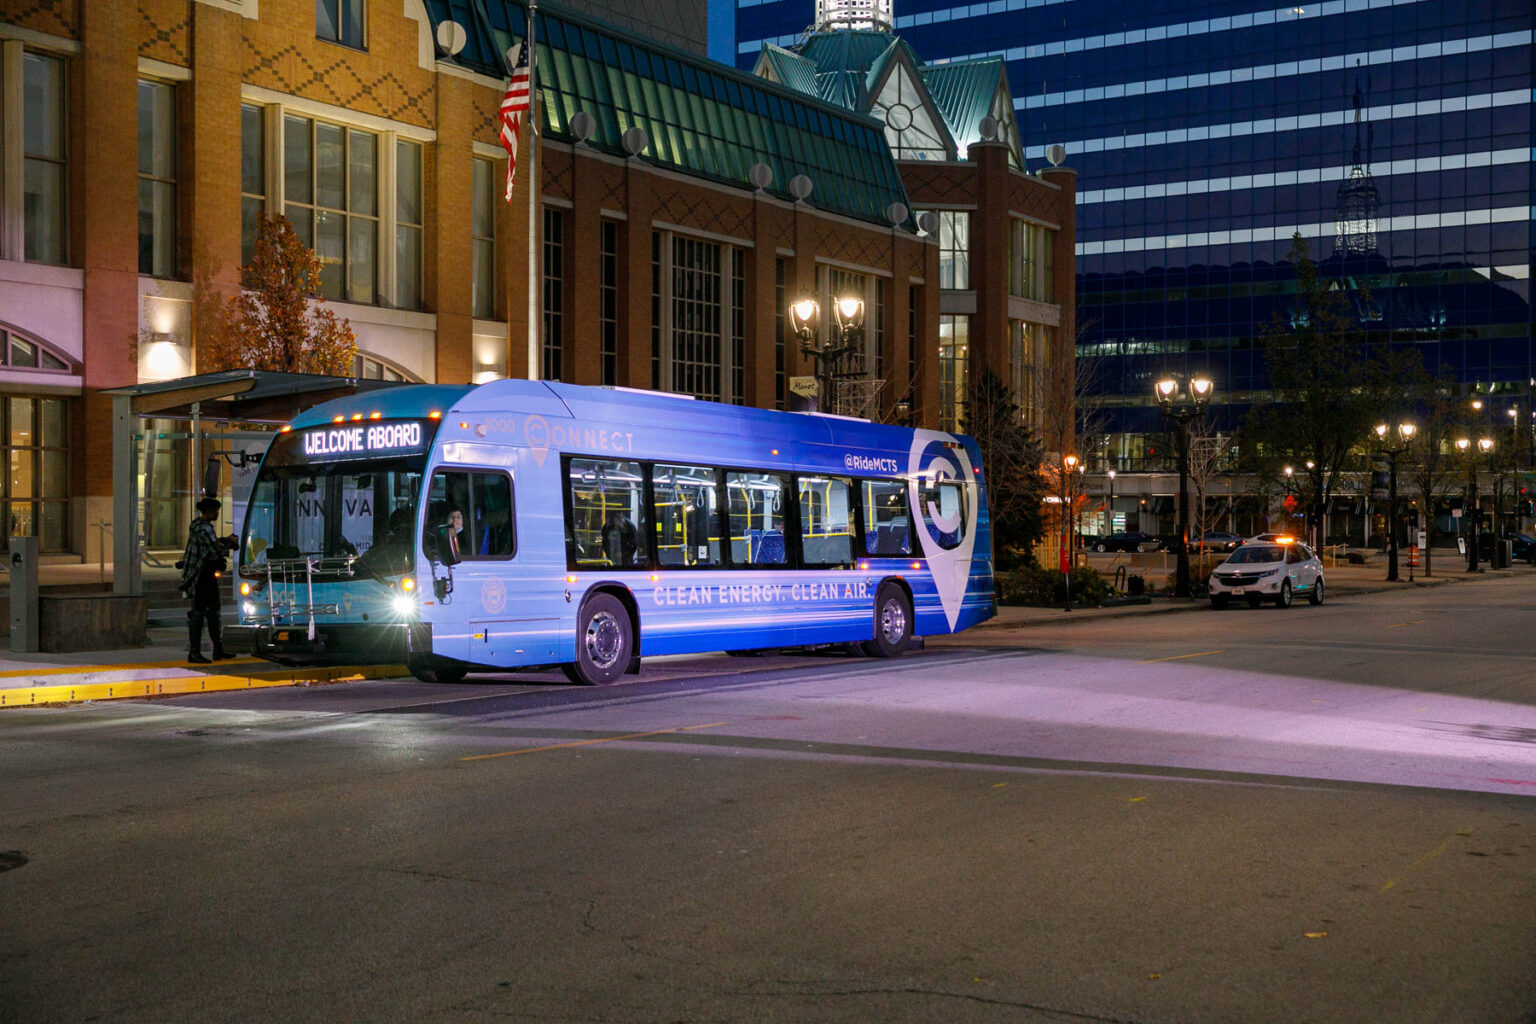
(340, 21)
(696, 317)
(1030, 264)
(954, 370)
(840, 284)
(407, 224)
(738, 311)
(253, 176)
(43, 117)
(330, 194)
(954, 249)
(698, 310)
(157, 179)
(37, 479)
(483, 244)
(780, 307)
(1024, 367)
(554, 293)
(608, 303)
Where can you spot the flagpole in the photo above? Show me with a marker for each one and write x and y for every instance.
(535, 222)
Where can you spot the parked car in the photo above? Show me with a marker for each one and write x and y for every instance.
(1215, 540)
(1263, 571)
(1522, 546)
(1128, 541)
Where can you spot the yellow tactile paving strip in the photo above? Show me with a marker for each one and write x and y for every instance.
(148, 680)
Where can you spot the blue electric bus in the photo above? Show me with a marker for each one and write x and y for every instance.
(523, 523)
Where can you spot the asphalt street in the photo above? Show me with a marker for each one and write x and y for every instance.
(1317, 814)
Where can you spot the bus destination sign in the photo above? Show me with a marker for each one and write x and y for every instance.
(365, 440)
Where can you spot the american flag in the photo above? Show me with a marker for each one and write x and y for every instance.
(513, 106)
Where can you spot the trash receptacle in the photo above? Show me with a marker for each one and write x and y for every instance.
(1135, 586)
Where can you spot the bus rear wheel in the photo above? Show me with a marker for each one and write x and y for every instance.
(604, 642)
(893, 623)
(434, 670)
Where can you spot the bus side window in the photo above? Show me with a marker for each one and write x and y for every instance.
(885, 518)
(687, 515)
(608, 517)
(826, 531)
(478, 508)
(755, 502)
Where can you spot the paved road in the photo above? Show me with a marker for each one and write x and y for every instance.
(1308, 815)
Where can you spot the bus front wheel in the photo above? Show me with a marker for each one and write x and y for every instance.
(604, 642)
(893, 623)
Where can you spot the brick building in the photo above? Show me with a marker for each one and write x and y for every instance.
(659, 258)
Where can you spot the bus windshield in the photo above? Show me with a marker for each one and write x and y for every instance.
(353, 517)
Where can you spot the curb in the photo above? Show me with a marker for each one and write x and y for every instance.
(68, 693)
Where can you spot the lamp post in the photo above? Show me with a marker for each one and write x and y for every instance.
(1484, 447)
(1068, 464)
(848, 321)
(1182, 407)
(1111, 475)
(1404, 437)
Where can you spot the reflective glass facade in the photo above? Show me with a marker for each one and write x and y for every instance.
(1394, 135)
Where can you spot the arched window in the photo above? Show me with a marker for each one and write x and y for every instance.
(22, 350)
(372, 367)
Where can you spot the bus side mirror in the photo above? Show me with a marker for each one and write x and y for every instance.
(447, 544)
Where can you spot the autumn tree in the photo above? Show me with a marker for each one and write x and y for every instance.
(278, 321)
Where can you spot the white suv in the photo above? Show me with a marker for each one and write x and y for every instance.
(1277, 571)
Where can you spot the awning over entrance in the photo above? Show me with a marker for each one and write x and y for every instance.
(247, 396)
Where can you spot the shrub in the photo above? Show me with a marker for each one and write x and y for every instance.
(1032, 585)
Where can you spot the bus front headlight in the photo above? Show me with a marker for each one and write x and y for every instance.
(405, 605)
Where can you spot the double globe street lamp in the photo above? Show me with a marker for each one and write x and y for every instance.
(1465, 447)
(1393, 442)
(1182, 407)
(847, 336)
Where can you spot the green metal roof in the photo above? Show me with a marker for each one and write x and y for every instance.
(702, 117)
(792, 69)
(964, 92)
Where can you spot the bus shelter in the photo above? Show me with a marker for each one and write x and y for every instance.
(176, 441)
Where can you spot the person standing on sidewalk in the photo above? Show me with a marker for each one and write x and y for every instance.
(200, 566)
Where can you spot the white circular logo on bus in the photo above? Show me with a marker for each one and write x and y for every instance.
(493, 595)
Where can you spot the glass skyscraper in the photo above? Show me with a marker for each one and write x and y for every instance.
(1394, 135)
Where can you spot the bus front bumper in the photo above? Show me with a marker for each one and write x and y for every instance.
(332, 644)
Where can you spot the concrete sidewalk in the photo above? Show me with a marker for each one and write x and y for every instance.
(160, 668)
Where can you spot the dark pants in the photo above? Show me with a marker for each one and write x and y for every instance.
(205, 609)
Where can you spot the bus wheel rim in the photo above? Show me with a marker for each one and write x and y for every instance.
(605, 641)
(893, 621)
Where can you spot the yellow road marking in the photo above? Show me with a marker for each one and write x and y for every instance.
(587, 743)
(135, 667)
(1422, 861)
(31, 696)
(1178, 657)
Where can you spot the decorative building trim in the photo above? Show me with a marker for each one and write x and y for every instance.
(487, 151)
(42, 40)
(693, 232)
(455, 71)
(1047, 313)
(331, 112)
(857, 268)
(245, 8)
(426, 50)
(152, 68)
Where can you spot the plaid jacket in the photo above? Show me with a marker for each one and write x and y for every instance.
(203, 551)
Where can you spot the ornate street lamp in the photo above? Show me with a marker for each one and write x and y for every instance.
(848, 321)
(1183, 407)
(1068, 465)
(1471, 514)
(1111, 476)
(1385, 437)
